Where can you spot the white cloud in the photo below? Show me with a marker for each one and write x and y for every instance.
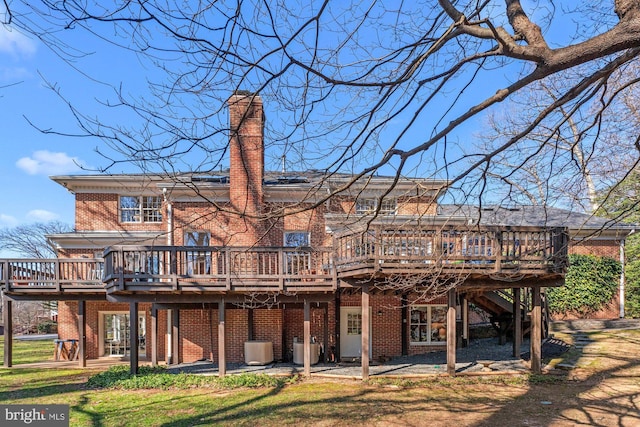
(8, 221)
(14, 74)
(15, 43)
(44, 162)
(41, 215)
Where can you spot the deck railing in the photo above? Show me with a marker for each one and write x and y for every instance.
(52, 275)
(489, 249)
(483, 251)
(183, 268)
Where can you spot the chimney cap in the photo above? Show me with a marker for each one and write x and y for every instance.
(242, 92)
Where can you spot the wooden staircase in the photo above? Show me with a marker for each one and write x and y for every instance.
(499, 306)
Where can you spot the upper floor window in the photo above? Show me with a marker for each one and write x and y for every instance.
(140, 209)
(296, 239)
(367, 206)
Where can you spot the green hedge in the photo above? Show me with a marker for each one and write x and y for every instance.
(590, 284)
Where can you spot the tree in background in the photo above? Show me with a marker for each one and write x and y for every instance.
(621, 202)
(30, 241)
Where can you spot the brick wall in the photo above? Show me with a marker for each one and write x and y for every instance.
(100, 212)
(601, 248)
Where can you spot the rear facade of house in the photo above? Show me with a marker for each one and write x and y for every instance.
(200, 267)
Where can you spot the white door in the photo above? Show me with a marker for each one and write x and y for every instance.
(351, 332)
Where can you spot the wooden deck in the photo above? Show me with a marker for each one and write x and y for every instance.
(477, 254)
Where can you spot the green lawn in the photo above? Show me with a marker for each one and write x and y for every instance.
(604, 386)
(29, 351)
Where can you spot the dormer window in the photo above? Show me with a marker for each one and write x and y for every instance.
(369, 205)
(140, 209)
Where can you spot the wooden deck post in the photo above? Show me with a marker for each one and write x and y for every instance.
(366, 333)
(133, 338)
(404, 335)
(536, 332)
(250, 327)
(451, 333)
(82, 333)
(517, 322)
(154, 335)
(175, 336)
(222, 340)
(8, 331)
(168, 354)
(326, 333)
(465, 321)
(307, 339)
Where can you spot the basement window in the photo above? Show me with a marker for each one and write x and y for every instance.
(140, 209)
(428, 324)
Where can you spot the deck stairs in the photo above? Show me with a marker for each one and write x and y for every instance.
(499, 306)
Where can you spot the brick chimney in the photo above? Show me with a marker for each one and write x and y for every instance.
(246, 161)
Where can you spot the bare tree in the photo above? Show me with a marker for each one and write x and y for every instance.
(30, 240)
(569, 158)
(357, 86)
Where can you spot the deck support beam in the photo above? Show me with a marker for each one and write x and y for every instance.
(169, 343)
(465, 321)
(536, 332)
(451, 332)
(175, 336)
(8, 331)
(133, 337)
(222, 341)
(326, 334)
(366, 333)
(82, 333)
(307, 339)
(517, 323)
(154, 335)
(404, 333)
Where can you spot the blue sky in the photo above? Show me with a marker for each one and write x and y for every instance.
(28, 70)
(29, 157)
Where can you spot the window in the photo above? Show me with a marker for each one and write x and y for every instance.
(140, 209)
(429, 324)
(354, 324)
(297, 261)
(367, 206)
(198, 261)
(116, 332)
(296, 239)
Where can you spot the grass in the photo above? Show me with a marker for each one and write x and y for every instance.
(29, 351)
(609, 393)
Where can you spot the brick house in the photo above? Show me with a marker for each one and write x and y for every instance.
(211, 265)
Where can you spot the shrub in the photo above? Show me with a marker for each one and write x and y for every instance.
(47, 327)
(158, 378)
(591, 282)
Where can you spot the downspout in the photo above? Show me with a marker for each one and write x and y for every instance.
(622, 275)
(169, 346)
